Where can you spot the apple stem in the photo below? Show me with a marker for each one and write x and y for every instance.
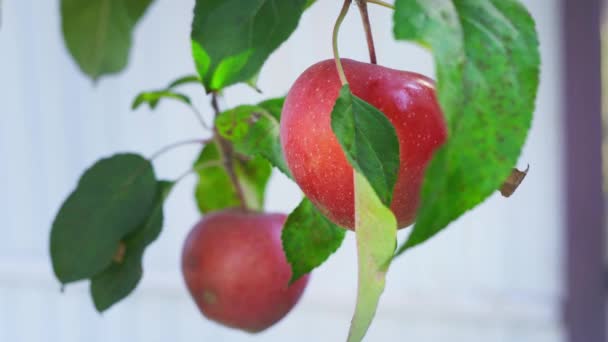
(381, 3)
(339, 21)
(362, 4)
(227, 154)
(178, 144)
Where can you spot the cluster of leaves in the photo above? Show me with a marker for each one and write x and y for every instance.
(104, 226)
(115, 212)
(487, 65)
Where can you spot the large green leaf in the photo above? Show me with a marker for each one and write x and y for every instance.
(98, 33)
(122, 276)
(376, 229)
(231, 39)
(111, 200)
(369, 141)
(254, 130)
(487, 62)
(215, 191)
(309, 238)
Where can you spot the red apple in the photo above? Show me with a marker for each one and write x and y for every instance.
(235, 269)
(314, 155)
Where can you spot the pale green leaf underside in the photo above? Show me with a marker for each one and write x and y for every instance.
(376, 229)
(487, 64)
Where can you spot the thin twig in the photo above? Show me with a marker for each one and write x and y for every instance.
(381, 3)
(178, 144)
(199, 116)
(214, 104)
(227, 153)
(199, 167)
(362, 4)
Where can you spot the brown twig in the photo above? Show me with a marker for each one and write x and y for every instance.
(381, 3)
(227, 153)
(362, 4)
(178, 144)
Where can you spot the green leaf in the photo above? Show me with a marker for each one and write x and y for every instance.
(274, 107)
(376, 229)
(122, 276)
(98, 33)
(184, 80)
(487, 63)
(153, 97)
(254, 131)
(215, 191)
(231, 39)
(309, 238)
(369, 141)
(112, 198)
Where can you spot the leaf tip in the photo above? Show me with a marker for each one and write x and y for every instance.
(513, 181)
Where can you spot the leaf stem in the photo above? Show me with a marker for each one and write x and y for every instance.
(199, 117)
(214, 104)
(227, 153)
(174, 145)
(339, 21)
(362, 4)
(381, 3)
(201, 166)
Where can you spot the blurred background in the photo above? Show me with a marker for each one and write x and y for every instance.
(522, 269)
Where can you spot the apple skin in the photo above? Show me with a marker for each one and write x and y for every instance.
(315, 157)
(235, 269)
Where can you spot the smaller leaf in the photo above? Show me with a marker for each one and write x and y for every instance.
(376, 229)
(273, 106)
(309, 238)
(122, 276)
(253, 83)
(513, 181)
(112, 198)
(184, 80)
(254, 131)
(369, 141)
(98, 33)
(153, 97)
(215, 191)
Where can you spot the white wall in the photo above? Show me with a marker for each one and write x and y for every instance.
(495, 275)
